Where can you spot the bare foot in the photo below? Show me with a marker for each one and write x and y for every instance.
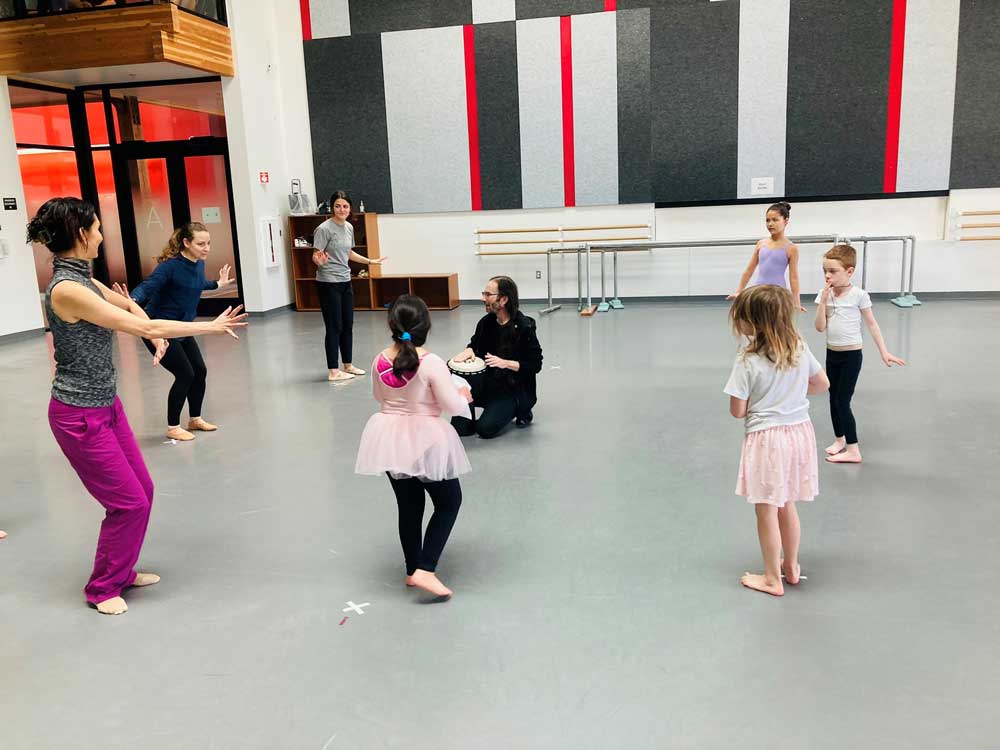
(179, 433)
(200, 424)
(791, 576)
(836, 447)
(3, 534)
(760, 583)
(339, 376)
(145, 579)
(114, 606)
(427, 581)
(851, 455)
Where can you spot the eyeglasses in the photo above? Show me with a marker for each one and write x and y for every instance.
(490, 294)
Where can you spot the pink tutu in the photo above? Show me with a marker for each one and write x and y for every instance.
(411, 445)
(779, 465)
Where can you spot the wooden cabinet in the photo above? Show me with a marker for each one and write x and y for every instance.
(376, 291)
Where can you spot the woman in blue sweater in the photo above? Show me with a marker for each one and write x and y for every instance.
(171, 293)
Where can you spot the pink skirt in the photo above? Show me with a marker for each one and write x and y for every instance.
(411, 446)
(779, 465)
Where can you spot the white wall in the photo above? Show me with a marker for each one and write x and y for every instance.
(445, 243)
(267, 121)
(19, 305)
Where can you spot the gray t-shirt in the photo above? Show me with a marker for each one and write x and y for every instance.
(337, 240)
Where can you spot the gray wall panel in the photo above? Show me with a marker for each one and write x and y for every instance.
(595, 109)
(975, 155)
(695, 82)
(376, 16)
(550, 8)
(928, 103)
(634, 126)
(838, 89)
(427, 118)
(347, 119)
(499, 123)
(539, 86)
(763, 94)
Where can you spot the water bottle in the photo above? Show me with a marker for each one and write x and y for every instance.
(361, 207)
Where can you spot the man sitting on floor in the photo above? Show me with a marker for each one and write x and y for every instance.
(505, 339)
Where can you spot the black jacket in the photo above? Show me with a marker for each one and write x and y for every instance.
(522, 346)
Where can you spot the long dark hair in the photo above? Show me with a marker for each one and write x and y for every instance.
(59, 221)
(507, 288)
(408, 314)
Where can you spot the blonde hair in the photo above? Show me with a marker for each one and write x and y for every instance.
(845, 254)
(176, 242)
(766, 315)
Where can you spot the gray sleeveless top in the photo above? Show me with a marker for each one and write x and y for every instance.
(85, 374)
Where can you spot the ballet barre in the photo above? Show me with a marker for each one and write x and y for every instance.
(906, 296)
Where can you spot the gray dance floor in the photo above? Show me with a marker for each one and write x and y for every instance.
(596, 560)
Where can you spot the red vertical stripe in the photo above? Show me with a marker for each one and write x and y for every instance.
(307, 31)
(895, 95)
(610, 4)
(472, 111)
(569, 158)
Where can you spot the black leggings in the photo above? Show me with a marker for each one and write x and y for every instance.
(447, 498)
(183, 360)
(336, 300)
(499, 409)
(843, 369)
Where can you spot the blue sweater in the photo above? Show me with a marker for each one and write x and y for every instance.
(172, 291)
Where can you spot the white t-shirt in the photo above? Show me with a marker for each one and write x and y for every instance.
(776, 397)
(843, 316)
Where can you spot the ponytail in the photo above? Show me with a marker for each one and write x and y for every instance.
(410, 322)
(176, 242)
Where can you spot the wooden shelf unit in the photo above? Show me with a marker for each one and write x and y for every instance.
(378, 290)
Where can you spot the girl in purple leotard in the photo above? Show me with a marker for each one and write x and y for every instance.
(773, 255)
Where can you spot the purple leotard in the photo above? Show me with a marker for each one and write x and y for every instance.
(771, 265)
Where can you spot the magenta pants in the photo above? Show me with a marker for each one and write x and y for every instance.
(102, 450)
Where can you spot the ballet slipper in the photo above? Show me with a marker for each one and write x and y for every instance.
(3, 534)
(114, 606)
(354, 370)
(179, 433)
(340, 377)
(145, 579)
(200, 424)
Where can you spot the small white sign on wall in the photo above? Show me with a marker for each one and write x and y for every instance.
(211, 215)
(761, 186)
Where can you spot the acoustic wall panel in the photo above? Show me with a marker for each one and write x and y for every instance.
(377, 16)
(928, 102)
(539, 88)
(551, 8)
(499, 124)
(838, 88)
(634, 134)
(975, 155)
(695, 98)
(427, 119)
(347, 119)
(330, 18)
(595, 109)
(763, 95)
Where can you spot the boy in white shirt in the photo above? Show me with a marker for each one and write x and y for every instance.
(841, 309)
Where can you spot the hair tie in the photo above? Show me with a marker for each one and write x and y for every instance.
(406, 336)
(45, 236)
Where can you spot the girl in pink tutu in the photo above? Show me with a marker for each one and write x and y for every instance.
(408, 440)
(768, 389)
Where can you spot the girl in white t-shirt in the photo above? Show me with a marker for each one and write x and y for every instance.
(841, 309)
(768, 389)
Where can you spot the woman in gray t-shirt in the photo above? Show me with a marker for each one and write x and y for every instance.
(334, 240)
